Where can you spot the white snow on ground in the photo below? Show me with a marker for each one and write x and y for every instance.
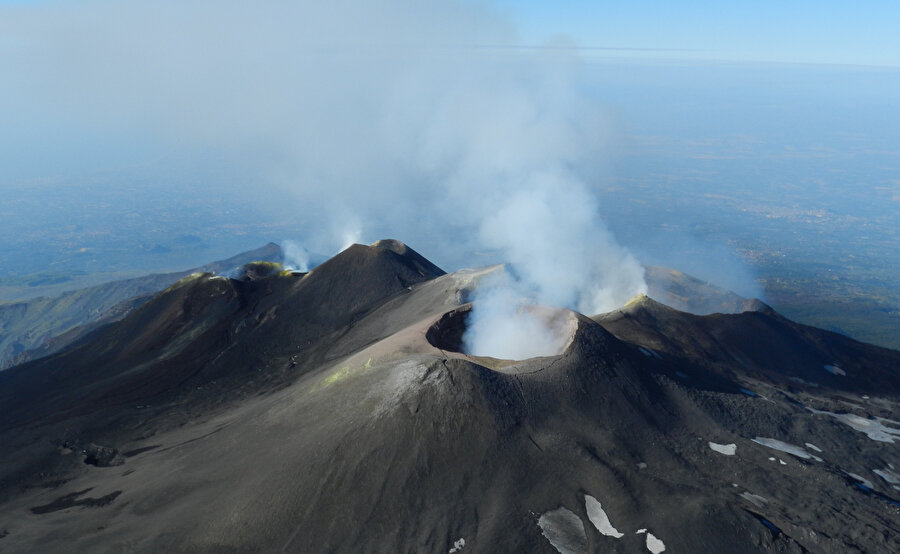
(564, 530)
(458, 545)
(654, 545)
(755, 499)
(887, 475)
(786, 447)
(599, 518)
(875, 428)
(835, 370)
(727, 449)
(865, 482)
(639, 531)
(813, 447)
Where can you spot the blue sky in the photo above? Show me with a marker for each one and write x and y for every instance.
(864, 32)
(822, 31)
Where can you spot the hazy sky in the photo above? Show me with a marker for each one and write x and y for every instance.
(359, 114)
(808, 31)
(62, 59)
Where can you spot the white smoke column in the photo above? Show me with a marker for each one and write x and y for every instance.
(562, 255)
(295, 255)
(590, 273)
(503, 324)
(350, 235)
(551, 233)
(519, 157)
(390, 118)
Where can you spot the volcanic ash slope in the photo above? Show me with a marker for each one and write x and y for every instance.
(332, 411)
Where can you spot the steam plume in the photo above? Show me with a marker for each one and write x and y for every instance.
(295, 255)
(371, 119)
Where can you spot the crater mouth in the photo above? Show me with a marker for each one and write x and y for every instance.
(447, 332)
(557, 330)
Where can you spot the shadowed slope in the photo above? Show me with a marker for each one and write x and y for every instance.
(41, 326)
(762, 342)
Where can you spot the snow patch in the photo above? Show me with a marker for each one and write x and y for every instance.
(457, 546)
(862, 480)
(755, 499)
(599, 518)
(834, 370)
(786, 447)
(875, 428)
(564, 530)
(654, 545)
(727, 449)
(888, 476)
(812, 447)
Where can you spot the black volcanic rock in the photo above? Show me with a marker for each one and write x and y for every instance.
(762, 343)
(333, 412)
(30, 329)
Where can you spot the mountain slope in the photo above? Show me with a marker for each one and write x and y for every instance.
(332, 412)
(33, 328)
(689, 294)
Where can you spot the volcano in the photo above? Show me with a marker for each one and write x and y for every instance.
(336, 411)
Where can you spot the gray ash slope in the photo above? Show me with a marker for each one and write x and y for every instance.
(332, 412)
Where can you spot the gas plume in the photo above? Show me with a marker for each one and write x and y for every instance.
(296, 257)
(369, 119)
